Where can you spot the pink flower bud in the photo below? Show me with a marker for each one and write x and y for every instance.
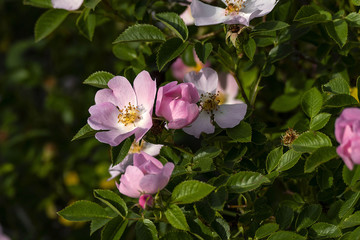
(177, 104)
(146, 200)
(347, 133)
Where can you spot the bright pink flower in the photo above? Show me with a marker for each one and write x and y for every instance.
(122, 110)
(69, 5)
(146, 176)
(226, 111)
(347, 133)
(146, 200)
(177, 104)
(180, 69)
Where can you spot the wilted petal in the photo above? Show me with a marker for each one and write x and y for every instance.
(230, 115)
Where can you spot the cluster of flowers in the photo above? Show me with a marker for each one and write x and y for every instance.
(194, 105)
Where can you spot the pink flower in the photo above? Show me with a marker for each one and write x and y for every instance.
(177, 104)
(122, 110)
(146, 200)
(187, 17)
(347, 133)
(146, 176)
(236, 11)
(2, 235)
(149, 148)
(222, 107)
(180, 69)
(69, 5)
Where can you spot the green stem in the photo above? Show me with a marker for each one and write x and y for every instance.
(254, 92)
(241, 89)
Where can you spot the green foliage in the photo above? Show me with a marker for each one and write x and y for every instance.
(169, 50)
(99, 79)
(112, 200)
(203, 51)
(190, 191)
(175, 23)
(141, 33)
(83, 211)
(176, 217)
(48, 22)
(246, 181)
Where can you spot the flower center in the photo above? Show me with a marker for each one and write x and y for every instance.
(234, 6)
(136, 147)
(129, 114)
(221, 98)
(209, 102)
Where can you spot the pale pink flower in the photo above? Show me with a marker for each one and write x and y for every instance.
(222, 106)
(347, 133)
(180, 69)
(177, 104)
(122, 110)
(136, 147)
(146, 176)
(69, 5)
(187, 17)
(2, 235)
(146, 200)
(236, 11)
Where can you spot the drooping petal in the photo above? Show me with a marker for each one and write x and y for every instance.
(205, 81)
(67, 4)
(201, 124)
(145, 89)
(147, 164)
(153, 183)
(230, 115)
(130, 182)
(152, 149)
(123, 91)
(205, 14)
(113, 137)
(121, 167)
(103, 116)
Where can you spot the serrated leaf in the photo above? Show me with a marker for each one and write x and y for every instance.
(83, 211)
(266, 229)
(141, 33)
(338, 31)
(282, 235)
(347, 207)
(203, 51)
(176, 217)
(318, 157)
(273, 159)
(114, 229)
(124, 52)
(341, 100)
(99, 79)
(246, 181)
(145, 229)
(175, 23)
(111, 199)
(48, 22)
(190, 191)
(270, 26)
(96, 224)
(319, 121)
(351, 221)
(288, 160)
(311, 102)
(222, 228)
(169, 50)
(324, 230)
(250, 48)
(310, 141)
(240, 133)
(124, 150)
(86, 23)
(337, 86)
(85, 132)
(308, 216)
(207, 152)
(353, 19)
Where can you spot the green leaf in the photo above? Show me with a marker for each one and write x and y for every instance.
(355, 234)
(190, 191)
(338, 31)
(85, 132)
(270, 26)
(284, 216)
(124, 150)
(91, 4)
(207, 152)
(113, 200)
(141, 33)
(318, 157)
(266, 229)
(86, 23)
(99, 79)
(176, 235)
(308, 15)
(282, 235)
(124, 52)
(280, 52)
(350, 177)
(114, 229)
(347, 207)
(351, 221)
(324, 230)
(175, 23)
(288, 160)
(145, 229)
(96, 224)
(203, 51)
(169, 50)
(356, 2)
(240, 133)
(311, 102)
(246, 181)
(353, 19)
(250, 48)
(273, 159)
(38, 3)
(48, 22)
(310, 141)
(217, 198)
(341, 100)
(308, 216)
(337, 86)
(222, 228)
(225, 59)
(83, 211)
(176, 217)
(319, 121)
(286, 102)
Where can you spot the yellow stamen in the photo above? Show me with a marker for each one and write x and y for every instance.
(136, 147)
(209, 102)
(221, 98)
(129, 114)
(234, 6)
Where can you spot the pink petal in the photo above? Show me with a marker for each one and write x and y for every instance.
(143, 126)
(147, 164)
(161, 97)
(179, 69)
(351, 114)
(205, 14)
(201, 124)
(187, 17)
(228, 86)
(182, 114)
(103, 116)
(152, 149)
(120, 168)
(355, 149)
(230, 115)
(145, 89)
(123, 91)
(113, 137)
(130, 182)
(153, 183)
(105, 95)
(67, 4)
(145, 200)
(205, 81)
(342, 152)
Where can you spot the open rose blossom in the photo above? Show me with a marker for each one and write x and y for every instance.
(146, 176)
(69, 5)
(347, 133)
(123, 111)
(236, 11)
(216, 103)
(149, 148)
(177, 104)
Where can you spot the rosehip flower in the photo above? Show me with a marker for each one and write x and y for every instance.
(226, 111)
(177, 104)
(236, 11)
(347, 133)
(146, 176)
(69, 5)
(122, 110)
(146, 200)
(136, 147)
(180, 69)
